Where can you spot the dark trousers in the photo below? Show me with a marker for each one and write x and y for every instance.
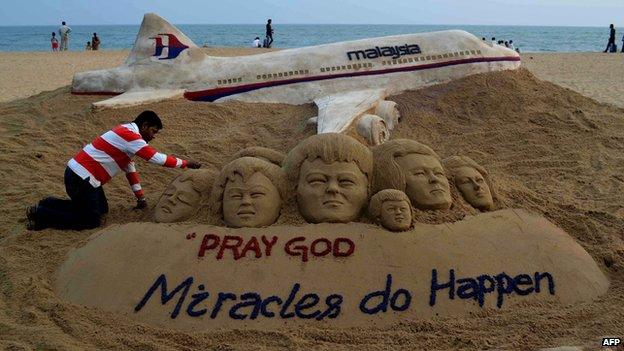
(83, 211)
(269, 38)
(609, 44)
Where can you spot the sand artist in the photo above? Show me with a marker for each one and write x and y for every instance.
(94, 166)
(249, 193)
(184, 196)
(414, 168)
(332, 175)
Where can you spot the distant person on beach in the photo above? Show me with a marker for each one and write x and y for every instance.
(611, 42)
(64, 31)
(54, 42)
(506, 44)
(493, 41)
(95, 165)
(511, 45)
(88, 47)
(95, 42)
(623, 43)
(269, 34)
(256, 43)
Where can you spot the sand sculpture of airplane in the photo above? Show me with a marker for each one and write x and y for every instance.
(348, 81)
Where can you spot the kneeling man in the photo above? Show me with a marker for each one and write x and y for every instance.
(94, 166)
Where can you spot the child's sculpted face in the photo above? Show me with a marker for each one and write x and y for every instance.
(334, 192)
(178, 202)
(426, 183)
(474, 188)
(396, 215)
(252, 203)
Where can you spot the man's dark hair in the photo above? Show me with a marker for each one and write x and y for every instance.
(149, 117)
(63, 23)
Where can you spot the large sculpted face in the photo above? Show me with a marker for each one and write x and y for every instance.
(474, 188)
(252, 203)
(334, 192)
(426, 183)
(178, 202)
(396, 215)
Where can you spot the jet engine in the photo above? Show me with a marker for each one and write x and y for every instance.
(389, 112)
(373, 129)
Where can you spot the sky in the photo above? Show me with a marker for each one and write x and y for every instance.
(477, 12)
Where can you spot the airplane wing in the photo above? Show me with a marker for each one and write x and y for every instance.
(357, 113)
(133, 98)
(337, 112)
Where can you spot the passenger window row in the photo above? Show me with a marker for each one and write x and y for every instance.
(346, 67)
(430, 57)
(282, 74)
(229, 81)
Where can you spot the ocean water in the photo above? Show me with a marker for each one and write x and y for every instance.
(116, 37)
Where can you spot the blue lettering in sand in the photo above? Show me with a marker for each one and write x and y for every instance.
(246, 306)
(478, 288)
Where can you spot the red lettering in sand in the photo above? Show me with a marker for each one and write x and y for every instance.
(340, 247)
(209, 242)
(231, 242)
(252, 245)
(236, 245)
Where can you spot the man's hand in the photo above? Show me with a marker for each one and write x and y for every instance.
(193, 164)
(141, 204)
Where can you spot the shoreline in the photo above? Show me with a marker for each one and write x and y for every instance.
(593, 74)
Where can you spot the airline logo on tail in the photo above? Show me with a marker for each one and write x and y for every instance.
(174, 46)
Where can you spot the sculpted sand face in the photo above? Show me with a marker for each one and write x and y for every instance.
(472, 181)
(474, 188)
(334, 192)
(392, 209)
(426, 184)
(396, 215)
(252, 203)
(178, 202)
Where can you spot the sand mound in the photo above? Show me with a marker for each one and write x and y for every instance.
(547, 149)
(175, 276)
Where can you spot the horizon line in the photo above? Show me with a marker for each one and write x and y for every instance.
(324, 24)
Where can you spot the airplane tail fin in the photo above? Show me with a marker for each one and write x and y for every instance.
(158, 38)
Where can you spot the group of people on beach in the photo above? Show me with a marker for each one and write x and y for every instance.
(508, 44)
(268, 39)
(64, 32)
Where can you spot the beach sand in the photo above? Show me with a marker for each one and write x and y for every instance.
(550, 150)
(597, 75)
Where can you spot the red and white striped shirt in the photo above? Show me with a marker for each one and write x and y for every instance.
(112, 152)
